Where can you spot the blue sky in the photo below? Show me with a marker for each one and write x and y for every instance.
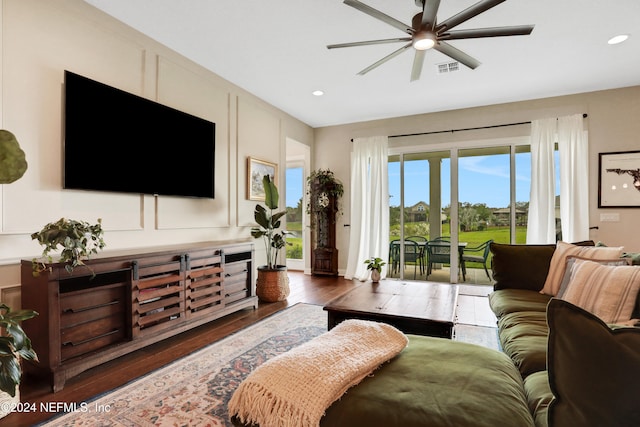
(295, 186)
(482, 179)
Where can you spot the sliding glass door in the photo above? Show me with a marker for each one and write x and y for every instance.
(451, 203)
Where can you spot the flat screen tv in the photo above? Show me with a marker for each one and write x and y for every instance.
(119, 142)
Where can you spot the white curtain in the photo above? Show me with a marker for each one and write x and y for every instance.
(574, 179)
(541, 226)
(369, 236)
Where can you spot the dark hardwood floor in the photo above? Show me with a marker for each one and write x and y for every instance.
(307, 289)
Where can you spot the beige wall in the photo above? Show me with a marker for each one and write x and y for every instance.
(613, 124)
(40, 39)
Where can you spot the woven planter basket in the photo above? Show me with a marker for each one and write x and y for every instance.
(272, 285)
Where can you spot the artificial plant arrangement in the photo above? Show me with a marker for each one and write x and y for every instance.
(269, 222)
(78, 240)
(14, 344)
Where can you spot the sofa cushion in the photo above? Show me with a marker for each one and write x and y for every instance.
(520, 266)
(523, 266)
(607, 291)
(506, 301)
(594, 371)
(558, 262)
(539, 396)
(436, 382)
(523, 336)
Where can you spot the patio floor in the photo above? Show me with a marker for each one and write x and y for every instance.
(474, 276)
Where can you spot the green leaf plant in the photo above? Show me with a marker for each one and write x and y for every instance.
(13, 163)
(14, 344)
(375, 263)
(269, 222)
(78, 240)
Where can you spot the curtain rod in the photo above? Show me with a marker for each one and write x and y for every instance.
(585, 115)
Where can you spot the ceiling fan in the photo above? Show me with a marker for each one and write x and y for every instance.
(426, 33)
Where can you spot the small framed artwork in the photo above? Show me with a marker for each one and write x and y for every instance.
(256, 169)
(619, 180)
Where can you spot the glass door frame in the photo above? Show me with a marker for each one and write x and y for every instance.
(453, 148)
(299, 155)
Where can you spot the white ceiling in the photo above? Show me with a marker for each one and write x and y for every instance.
(277, 51)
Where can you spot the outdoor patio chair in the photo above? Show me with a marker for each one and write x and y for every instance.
(479, 254)
(422, 243)
(394, 256)
(412, 254)
(438, 252)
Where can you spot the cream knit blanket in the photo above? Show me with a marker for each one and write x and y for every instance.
(295, 388)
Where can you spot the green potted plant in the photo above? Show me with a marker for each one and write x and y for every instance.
(13, 163)
(78, 240)
(14, 345)
(375, 264)
(272, 283)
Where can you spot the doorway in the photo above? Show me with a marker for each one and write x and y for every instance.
(297, 170)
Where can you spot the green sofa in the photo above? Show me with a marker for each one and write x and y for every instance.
(435, 382)
(520, 272)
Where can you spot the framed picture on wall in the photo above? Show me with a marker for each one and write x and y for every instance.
(256, 169)
(619, 180)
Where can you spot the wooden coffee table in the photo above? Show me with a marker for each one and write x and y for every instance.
(421, 308)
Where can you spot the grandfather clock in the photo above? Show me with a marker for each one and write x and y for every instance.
(324, 207)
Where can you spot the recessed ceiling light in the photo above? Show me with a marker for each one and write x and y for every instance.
(618, 39)
(317, 93)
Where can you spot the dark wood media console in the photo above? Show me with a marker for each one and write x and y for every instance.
(123, 301)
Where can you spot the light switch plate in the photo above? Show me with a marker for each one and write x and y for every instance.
(609, 217)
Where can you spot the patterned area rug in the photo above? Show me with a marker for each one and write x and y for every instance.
(194, 391)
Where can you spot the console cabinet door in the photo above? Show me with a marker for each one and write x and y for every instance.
(205, 290)
(158, 297)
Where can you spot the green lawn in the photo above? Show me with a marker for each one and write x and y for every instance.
(294, 250)
(473, 238)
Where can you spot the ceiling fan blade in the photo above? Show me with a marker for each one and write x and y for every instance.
(368, 42)
(467, 14)
(520, 30)
(418, 61)
(385, 59)
(429, 12)
(457, 54)
(375, 13)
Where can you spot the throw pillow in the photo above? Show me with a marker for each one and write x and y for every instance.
(594, 371)
(520, 266)
(569, 269)
(559, 261)
(607, 291)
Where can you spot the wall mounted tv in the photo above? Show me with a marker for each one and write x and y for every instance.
(119, 142)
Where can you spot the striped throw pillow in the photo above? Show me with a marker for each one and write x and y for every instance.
(571, 259)
(608, 292)
(559, 262)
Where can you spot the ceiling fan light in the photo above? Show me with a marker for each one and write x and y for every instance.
(618, 39)
(424, 40)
